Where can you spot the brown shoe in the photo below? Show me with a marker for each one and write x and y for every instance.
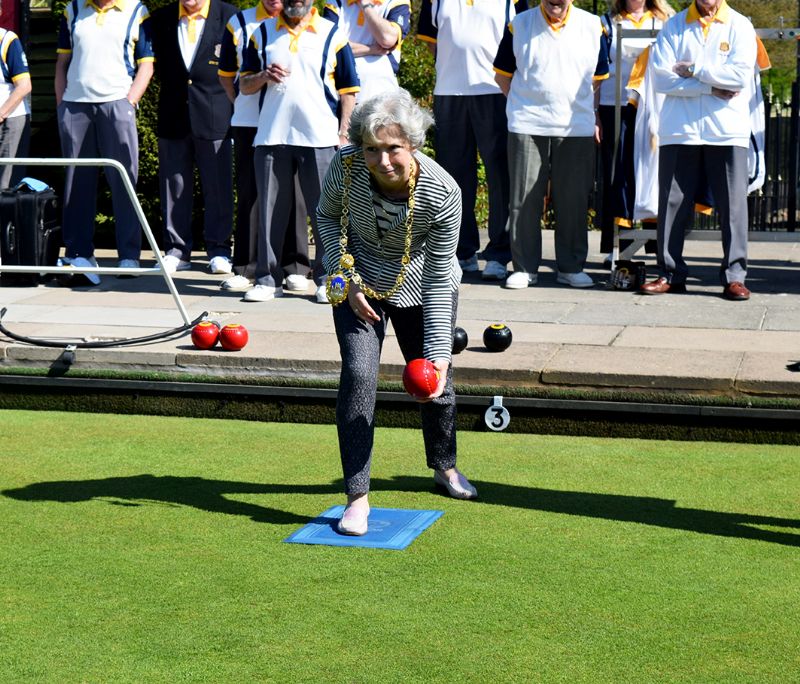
(736, 292)
(662, 286)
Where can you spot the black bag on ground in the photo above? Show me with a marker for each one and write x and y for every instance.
(29, 232)
(628, 275)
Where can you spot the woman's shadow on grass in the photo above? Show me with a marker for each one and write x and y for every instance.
(212, 496)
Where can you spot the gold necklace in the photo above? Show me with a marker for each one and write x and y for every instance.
(338, 284)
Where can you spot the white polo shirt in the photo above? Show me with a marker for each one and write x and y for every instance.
(724, 56)
(237, 34)
(304, 113)
(106, 45)
(553, 71)
(467, 34)
(14, 66)
(377, 73)
(631, 49)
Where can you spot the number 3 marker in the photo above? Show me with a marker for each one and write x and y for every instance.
(497, 417)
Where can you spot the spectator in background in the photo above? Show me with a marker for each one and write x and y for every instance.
(702, 61)
(194, 115)
(303, 68)
(103, 67)
(375, 31)
(470, 115)
(549, 66)
(244, 124)
(619, 192)
(15, 112)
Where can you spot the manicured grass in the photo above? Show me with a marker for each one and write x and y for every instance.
(146, 549)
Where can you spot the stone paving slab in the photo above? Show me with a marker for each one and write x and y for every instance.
(545, 333)
(709, 339)
(507, 311)
(669, 311)
(782, 318)
(92, 358)
(769, 374)
(577, 365)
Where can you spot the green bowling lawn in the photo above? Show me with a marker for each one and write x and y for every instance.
(145, 549)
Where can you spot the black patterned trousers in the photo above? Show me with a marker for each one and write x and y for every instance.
(360, 345)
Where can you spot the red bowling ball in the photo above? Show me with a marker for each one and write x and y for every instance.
(420, 378)
(205, 335)
(233, 337)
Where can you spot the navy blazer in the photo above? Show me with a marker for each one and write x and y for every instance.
(191, 101)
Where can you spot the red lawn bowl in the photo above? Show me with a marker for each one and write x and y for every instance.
(205, 335)
(233, 337)
(420, 378)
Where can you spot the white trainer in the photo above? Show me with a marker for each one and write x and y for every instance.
(296, 283)
(321, 295)
(236, 284)
(263, 293)
(494, 270)
(173, 264)
(575, 279)
(519, 280)
(220, 265)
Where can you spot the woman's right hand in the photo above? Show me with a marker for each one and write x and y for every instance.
(360, 306)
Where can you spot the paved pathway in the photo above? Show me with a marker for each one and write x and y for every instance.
(562, 336)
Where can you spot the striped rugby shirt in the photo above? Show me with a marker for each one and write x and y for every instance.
(433, 273)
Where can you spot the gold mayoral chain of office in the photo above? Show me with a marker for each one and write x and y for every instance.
(338, 284)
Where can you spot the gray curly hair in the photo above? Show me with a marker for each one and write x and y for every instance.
(392, 108)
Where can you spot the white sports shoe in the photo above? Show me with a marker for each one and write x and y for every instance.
(322, 295)
(519, 280)
(494, 270)
(173, 264)
(575, 279)
(236, 283)
(262, 293)
(296, 283)
(220, 265)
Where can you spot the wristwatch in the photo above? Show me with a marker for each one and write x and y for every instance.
(690, 69)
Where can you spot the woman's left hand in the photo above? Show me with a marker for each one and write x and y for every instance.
(441, 366)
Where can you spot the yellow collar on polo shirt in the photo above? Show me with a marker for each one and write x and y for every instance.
(553, 25)
(722, 15)
(374, 2)
(638, 24)
(312, 23)
(261, 13)
(202, 12)
(117, 4)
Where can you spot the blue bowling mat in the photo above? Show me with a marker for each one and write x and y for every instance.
(389, 528)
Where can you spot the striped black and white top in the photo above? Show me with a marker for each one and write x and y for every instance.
(433, 273)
